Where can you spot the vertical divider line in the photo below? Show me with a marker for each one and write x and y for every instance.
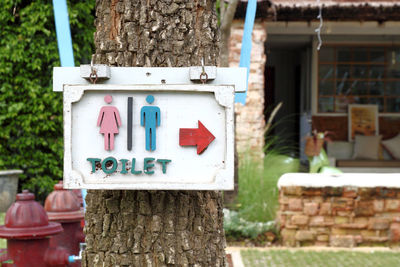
(130, 119)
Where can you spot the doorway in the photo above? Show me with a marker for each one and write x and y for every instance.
(287, 75)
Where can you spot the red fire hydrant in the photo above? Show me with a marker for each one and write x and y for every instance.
(64, 207)
(78, 193)
(27, 230)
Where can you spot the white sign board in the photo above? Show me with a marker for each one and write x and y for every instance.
(149, 137)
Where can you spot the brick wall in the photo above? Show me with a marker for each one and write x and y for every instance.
(250, 118)
(345, 216)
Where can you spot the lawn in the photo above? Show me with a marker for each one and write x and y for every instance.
(258, 191)
(300, 258)
(253, 214)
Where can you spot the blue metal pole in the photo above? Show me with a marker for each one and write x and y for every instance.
(64, 42)
(245, 51)
(63, 31)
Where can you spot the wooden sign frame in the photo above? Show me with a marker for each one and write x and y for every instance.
(222, 178)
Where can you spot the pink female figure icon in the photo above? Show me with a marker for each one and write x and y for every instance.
(109, 121)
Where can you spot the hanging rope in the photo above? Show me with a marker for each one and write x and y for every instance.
(318, 30)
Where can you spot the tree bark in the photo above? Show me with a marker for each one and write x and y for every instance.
(155, 228)
(226, 23)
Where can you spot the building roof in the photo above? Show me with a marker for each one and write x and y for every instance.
(338, 10)
(330, 3)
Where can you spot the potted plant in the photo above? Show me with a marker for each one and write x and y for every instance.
(8, 188)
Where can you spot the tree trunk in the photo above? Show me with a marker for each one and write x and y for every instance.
(226, 24)
(155, 228)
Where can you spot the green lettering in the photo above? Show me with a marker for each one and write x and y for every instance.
(123, 168)
(93, 161)
(164, 164)
(147, 165)
(112, 169)
(133, 167)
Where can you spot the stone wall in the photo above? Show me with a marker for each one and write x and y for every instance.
(250, 121)
(339, 216)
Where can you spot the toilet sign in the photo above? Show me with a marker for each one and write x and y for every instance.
(154, 137)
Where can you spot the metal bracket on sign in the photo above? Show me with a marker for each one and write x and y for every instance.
(102, 71)
(196, 72)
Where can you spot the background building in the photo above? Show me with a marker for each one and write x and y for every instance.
(358, 63)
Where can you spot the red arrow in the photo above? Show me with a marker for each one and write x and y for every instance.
(200, 137)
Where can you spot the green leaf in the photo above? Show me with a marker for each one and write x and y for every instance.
(31, 136)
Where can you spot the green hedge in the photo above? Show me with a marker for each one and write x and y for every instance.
(30, 112)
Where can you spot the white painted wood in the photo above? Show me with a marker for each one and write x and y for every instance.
(102, 71)
(196, 71)
(181, 107)
(340, 180)
(129, 75)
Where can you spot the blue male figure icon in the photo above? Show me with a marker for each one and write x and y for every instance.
(150, 118)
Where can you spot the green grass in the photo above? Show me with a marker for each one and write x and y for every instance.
(289, 258)
(258, 192)
(3, 242)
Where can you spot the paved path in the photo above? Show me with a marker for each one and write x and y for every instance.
(236, 258)
(316, 248)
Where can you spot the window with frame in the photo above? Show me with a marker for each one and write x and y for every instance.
(358, 75)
